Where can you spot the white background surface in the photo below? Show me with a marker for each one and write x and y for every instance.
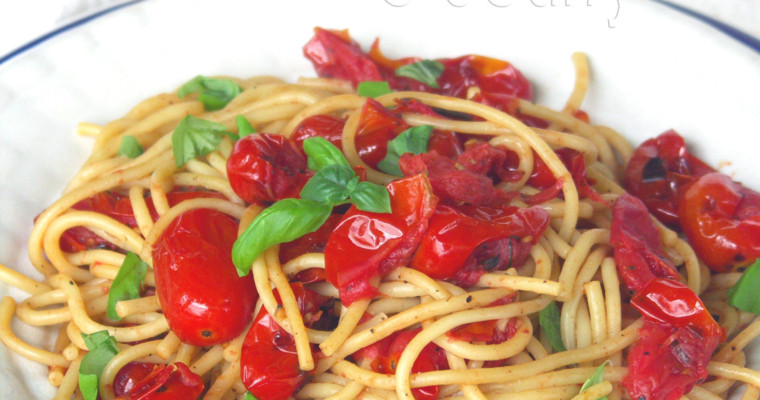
(654, 71)
(24, 20)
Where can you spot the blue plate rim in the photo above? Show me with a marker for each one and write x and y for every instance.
(752, 42)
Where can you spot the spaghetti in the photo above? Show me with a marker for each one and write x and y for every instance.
(570, 264)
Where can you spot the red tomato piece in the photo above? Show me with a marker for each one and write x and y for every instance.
(498, 80)
(335, 55)
(268, 359)
(674, 345)
(658, 172)
(490, 332)
(638, 251)
(457, 243)
(324, 126)
(542, 177)
(365, 245)
(264, 168)
(130, 374)
(377, 126)
(313, 242)
(464, 180)
(721, 219)
(203, 298)
(383, 357)
(117, 206)
(166, 382)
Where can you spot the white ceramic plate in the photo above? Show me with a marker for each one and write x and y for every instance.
(652, 69)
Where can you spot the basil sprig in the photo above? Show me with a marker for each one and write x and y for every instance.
(373, 88)
(548, 319)
(126, 285)
(213, 93)
(413, 140)
(130, 147)
(744, 294)
(102, 348)
(425, 71)
(596, 378)
(333, 184)
(195, 137)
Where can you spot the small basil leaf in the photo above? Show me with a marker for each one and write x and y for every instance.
(596, 377)
(130, 147)
(371, 197)
(126, 285)
(744, 295)
(548, 318)
(413, 140)
(284, 221)
(425, 71)
(323, 153)
(373, 88)
(213, 93)
(102, 348)
(331, 184)
(249, 396)
(244, 127)
(194, 137)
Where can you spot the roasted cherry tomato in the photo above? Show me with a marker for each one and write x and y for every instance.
(129, 375)
(638, 251)
(464, 180)
(674, 345)
(164, 382)
(268, 359)
(335, 55)
(118, 207)
(542, 178)
(264, 168)
(721, 218)
(463, 243)
(203, 298)
(365, 245)
(383, 357)
(377, 126)
(659, 171)
(324, 126)
(498, 83)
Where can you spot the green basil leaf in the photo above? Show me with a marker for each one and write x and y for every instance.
(596, 377)
(102, 348)
(88, 385)
(372, 197)
(744, 295)
(425, 71)
(249, 396)
(548, 318)
(284, 221)
(244, 127)
(323, 153)
(413, 140)
(130, 147)
(194, 137)
(373, 88)
(126, 285)
(332, 184)
(213, 93)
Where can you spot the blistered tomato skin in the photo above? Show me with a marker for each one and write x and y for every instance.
(203, 298)
(164, 382)
(365, 245)
(675, 343)
(721, 219)
(324, 126)
(659, 171)
(268, 360)
(264, 168)
(639, 254)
